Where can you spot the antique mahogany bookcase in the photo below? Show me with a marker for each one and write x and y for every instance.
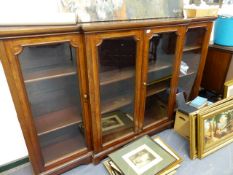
(83, 91)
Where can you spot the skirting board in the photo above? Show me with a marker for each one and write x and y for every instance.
(14, 164)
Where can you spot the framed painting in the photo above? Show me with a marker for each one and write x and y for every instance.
(193, 121)
(144, 157)
(215, 128)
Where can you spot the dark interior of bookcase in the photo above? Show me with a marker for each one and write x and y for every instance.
(52, 86)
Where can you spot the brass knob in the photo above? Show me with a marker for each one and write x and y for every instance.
(85, 96)
(144, 83)
(148, 31)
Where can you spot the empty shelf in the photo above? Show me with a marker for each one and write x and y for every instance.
(57, 120)
(48, 72)
(63, 143)
(115, 103)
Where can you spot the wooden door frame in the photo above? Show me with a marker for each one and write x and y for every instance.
(204, 50)
(148, 34)
(93, 40)
(10, 50)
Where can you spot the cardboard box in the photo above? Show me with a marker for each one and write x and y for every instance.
(200, 12)
(182, 124)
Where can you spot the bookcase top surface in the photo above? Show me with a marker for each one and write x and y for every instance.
(19, 31)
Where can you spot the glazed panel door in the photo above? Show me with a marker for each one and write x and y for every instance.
(115, 63)
(49, 74)
(162, 48)
(193, 59)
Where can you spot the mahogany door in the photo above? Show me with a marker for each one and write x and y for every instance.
(52, 98)
(162, 48)
(114, 63)
(193, 59)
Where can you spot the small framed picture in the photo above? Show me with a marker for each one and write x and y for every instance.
(116, 121)
(111, 122)
(215, 128)
(228, 91)
(144, 156)
(142, 159)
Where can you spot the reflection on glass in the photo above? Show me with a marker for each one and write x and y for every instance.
(190, 61)
(117, 61)
(50, 78)
(160, 66)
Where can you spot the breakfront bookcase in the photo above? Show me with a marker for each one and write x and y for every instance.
(83, 91)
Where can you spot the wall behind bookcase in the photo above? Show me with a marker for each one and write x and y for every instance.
(12, 144)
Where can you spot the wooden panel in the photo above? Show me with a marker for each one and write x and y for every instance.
(216, 69)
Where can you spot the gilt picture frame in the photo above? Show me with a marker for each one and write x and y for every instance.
(228, 89)
(143, 157)
(193, 120)
(215, 129)
(192, 136)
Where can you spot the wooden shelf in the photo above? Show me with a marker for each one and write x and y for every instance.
(155, 111)
(61, 144)
(115, 103)
(191, 48)
(48, 72)
(160, 65)
(116, 75)
(157, 88)
(127, 73)
(57, 120)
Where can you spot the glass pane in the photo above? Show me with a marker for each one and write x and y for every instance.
(51, 81)
(190, 60)
(160, 66)
(117, 60)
